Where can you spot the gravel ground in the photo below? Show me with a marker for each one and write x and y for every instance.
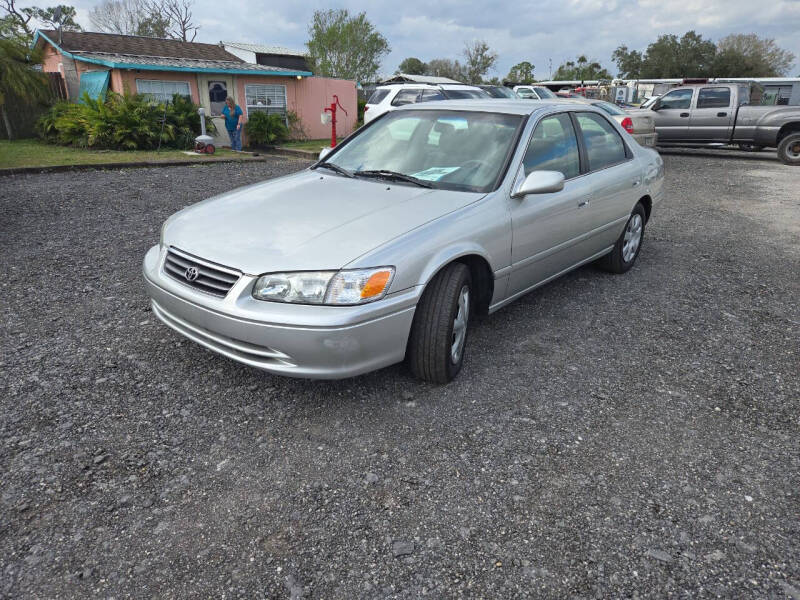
(609, 436)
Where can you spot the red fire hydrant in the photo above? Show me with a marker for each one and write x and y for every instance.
(332, 109)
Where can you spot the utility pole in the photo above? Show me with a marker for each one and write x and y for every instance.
(550, 60)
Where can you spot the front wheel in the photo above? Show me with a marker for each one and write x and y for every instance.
(789, 149)
(439, 332)
(627, 248)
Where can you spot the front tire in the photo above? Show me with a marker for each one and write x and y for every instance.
(438, 337)
(629, 244)
(789, 150)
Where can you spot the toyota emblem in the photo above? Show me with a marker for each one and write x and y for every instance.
(191, 273)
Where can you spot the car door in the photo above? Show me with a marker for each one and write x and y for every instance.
(712, 115)
(671, 113)
(615, 175)
(547, 229)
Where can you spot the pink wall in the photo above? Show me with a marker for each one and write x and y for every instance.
(308, 97)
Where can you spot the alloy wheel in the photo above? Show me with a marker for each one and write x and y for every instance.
(460, 325)
(632, 239)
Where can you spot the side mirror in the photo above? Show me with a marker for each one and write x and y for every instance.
(540, 182)
(324, 152)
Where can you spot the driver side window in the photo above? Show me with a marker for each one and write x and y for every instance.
(676, 99)
(553, 147)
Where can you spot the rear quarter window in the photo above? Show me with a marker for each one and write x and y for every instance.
(377, 96)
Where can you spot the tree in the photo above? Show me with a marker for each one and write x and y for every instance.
(149, 18)
(580, 69)
(761, 57)
(521, 73)
(18, 78)
(46, 16)
(629, 62)
(445, 67)
(479, 59)
(672, 57)
(412, 66)
(345, 46)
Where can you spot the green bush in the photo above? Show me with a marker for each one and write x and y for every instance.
(296, 130)
(266, 129)
(123, 122)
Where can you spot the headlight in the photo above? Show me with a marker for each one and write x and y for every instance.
(357, 286)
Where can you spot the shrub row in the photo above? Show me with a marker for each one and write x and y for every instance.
(123, 122)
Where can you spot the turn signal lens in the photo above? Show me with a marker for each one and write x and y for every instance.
(376, 284)
(627, 124)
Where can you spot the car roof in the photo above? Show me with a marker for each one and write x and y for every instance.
(511, 106)
(433, 86)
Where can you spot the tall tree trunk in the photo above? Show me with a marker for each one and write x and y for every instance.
(7, 123)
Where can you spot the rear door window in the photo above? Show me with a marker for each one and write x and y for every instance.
(604, 146)
(407, 96)
(377, 96)
(714, 98)
(430, 95)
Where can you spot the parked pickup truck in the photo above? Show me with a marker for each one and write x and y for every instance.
(710, 114)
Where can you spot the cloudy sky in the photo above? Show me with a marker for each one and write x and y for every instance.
(541, 31)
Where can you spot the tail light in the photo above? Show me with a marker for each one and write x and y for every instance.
(366, 108)
(627, 124)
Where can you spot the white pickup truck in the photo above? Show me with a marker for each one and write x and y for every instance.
(717, 114)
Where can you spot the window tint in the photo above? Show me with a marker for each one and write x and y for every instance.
(430, 95)
(604, 145)
(714, 98)
(611, 109)
(553, 147)
(676, 99)
(377, 96)
(408, 96)
(465, 94)
(543, 92)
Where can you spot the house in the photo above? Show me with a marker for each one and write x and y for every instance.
(259, 78)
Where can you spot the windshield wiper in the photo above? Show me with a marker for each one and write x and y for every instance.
(334, 167)
(393, 175)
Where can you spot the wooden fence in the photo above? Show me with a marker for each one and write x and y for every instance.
(23, 115)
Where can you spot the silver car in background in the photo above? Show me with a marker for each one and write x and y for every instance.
(639, 124)
(385, 248)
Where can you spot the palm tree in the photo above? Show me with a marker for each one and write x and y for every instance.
(18, 78)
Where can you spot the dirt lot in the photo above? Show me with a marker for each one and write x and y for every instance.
(610, 436)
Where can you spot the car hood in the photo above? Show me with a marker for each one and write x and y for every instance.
(312, 220)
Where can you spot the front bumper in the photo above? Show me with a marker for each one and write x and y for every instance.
(319, 342)
(648, 140)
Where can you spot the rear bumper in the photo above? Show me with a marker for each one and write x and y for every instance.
(646, 139)
(319, 342)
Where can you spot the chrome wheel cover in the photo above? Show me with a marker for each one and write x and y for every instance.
(633, 237)
(460, 325)
(793, 150)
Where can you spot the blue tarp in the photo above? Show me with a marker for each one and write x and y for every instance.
(95, 83)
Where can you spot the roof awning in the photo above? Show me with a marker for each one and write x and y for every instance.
(94, 83)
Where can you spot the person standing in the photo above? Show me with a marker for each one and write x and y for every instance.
(234, 117)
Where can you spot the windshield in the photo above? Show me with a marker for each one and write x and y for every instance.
(525, 93)
(500, 92)
(455, 150)
(544, 92)
(611, 109)
(464, 94)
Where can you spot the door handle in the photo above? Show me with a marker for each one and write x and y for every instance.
(722, 114)
(684, 114)
(583, 203)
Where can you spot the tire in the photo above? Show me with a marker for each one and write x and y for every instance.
(750, 148)
(622, 257)
(435, 350)
(789, 149)
(210, 149)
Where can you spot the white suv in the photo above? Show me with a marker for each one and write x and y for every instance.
(389, 97)
(534, 92)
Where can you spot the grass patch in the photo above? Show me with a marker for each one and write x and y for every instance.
(310, 145)
(35, 153)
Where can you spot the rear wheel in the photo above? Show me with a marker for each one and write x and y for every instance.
(627, 248)
(210, 149)
(439, 332)
(789, 149)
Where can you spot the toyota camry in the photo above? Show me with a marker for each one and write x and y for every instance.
(387, 247)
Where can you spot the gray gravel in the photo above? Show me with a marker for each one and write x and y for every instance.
(610, 436)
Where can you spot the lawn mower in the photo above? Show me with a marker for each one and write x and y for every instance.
(203, 144)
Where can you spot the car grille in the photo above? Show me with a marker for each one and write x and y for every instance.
(200, 274)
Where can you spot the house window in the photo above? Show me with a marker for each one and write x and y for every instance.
(162, 91)
(270, 99)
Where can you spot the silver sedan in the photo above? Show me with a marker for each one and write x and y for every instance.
(387, 247)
